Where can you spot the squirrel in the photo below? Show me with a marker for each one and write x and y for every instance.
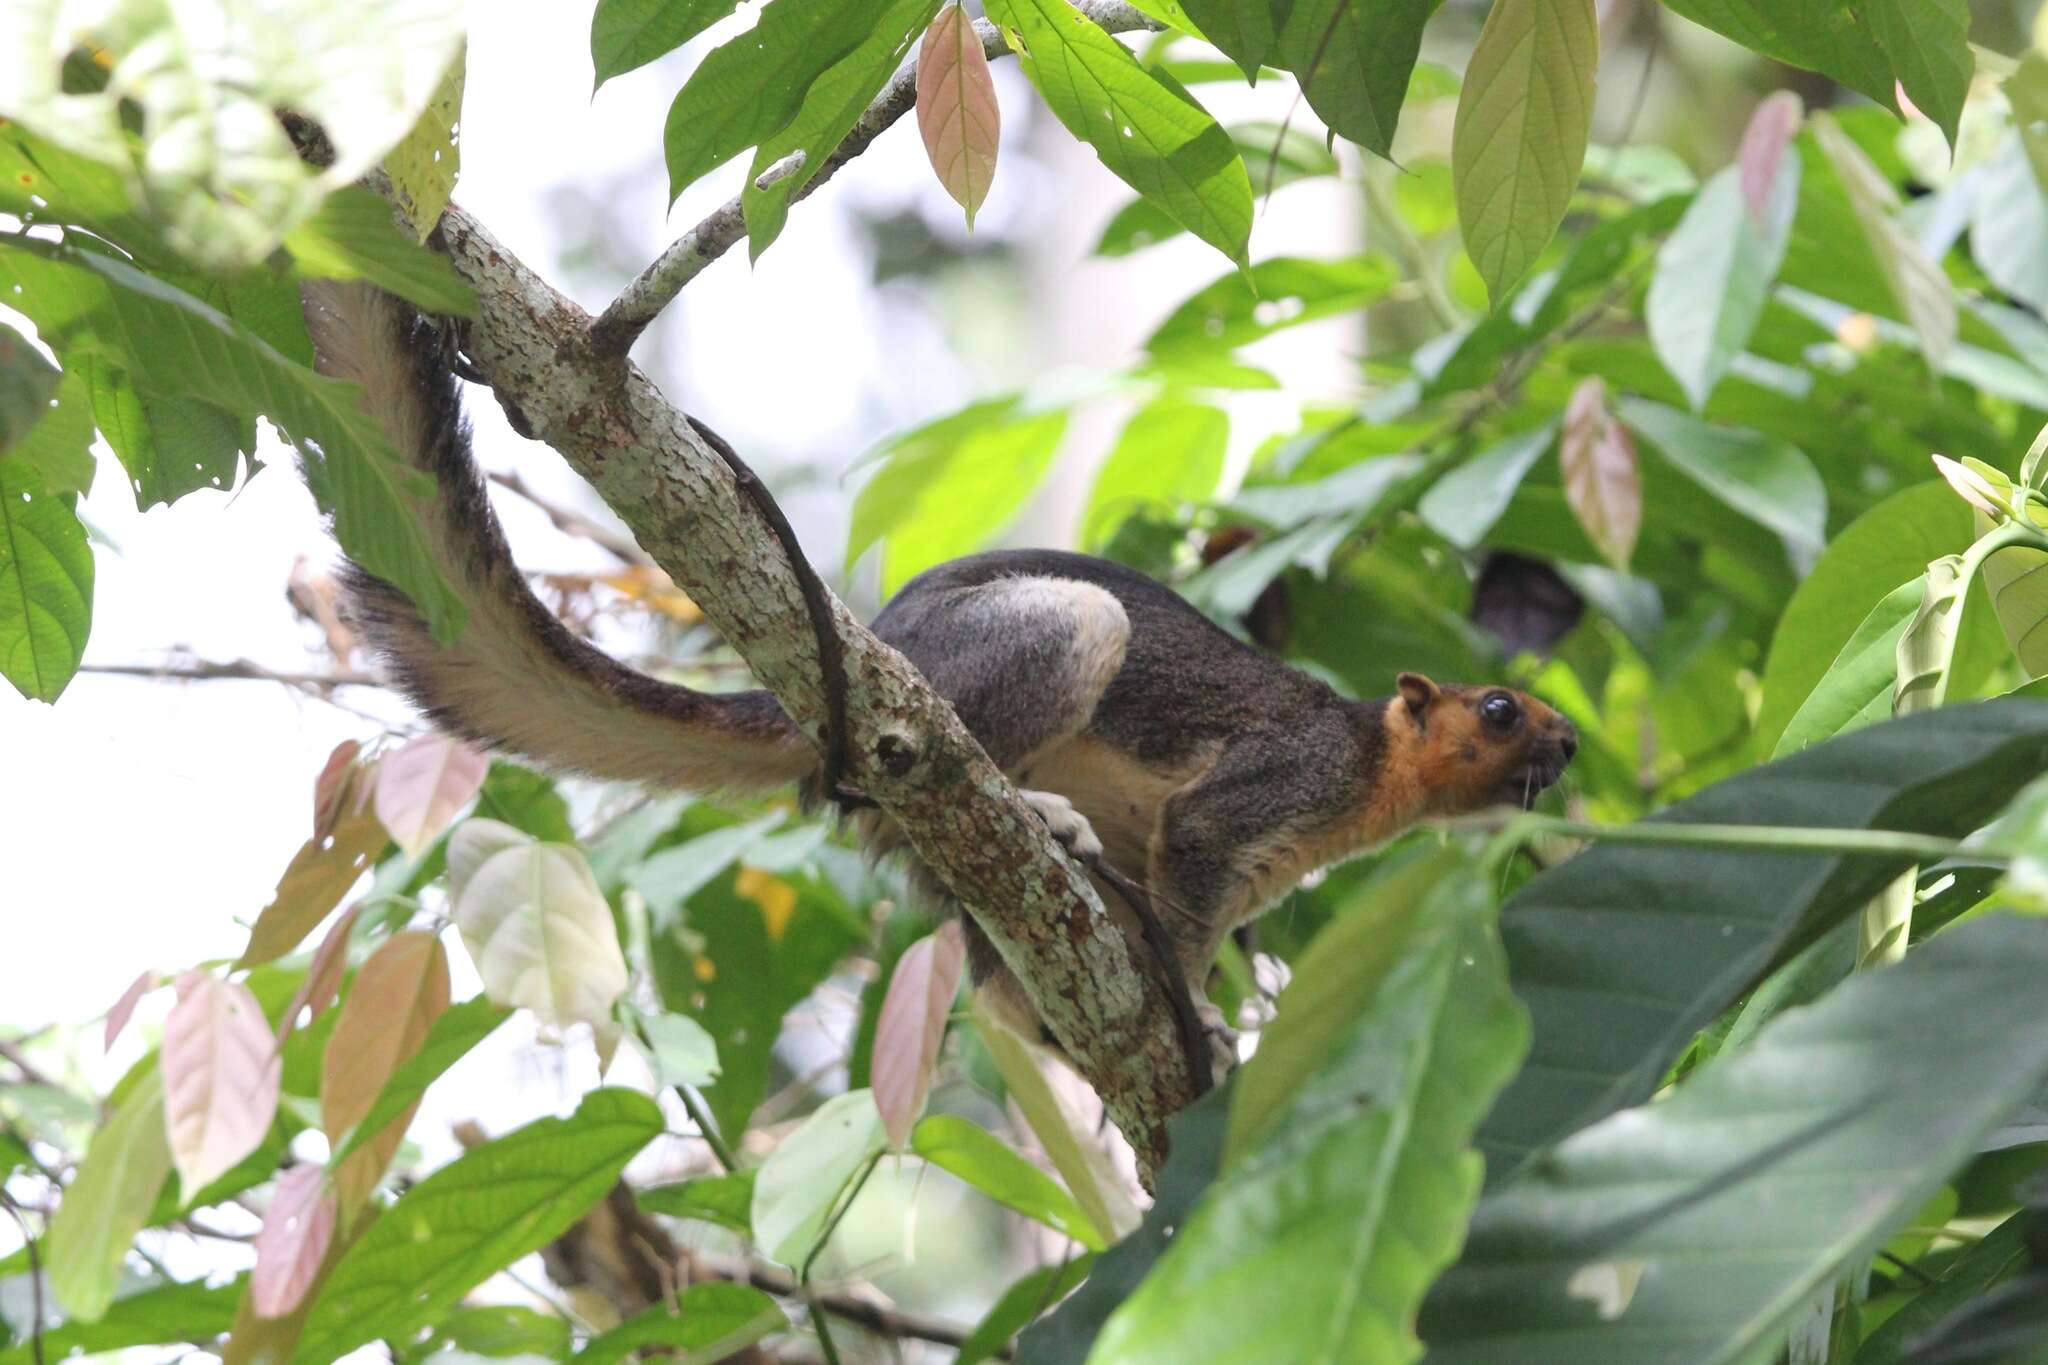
(1144, 734)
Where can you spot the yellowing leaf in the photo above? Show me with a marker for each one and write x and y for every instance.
(1601, 480)
(911, 1025)
(424, 165)
(654, 590)
(956, 108)
(297, 1228)
(320, 874)
(541, 935)
(221, 1068)
(420, 788)
(1520, 133)
(396, 998)
(776, 897)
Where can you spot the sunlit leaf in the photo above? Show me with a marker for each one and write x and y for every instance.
(542, 936)
(56, 450)
(109, 1201)
(1601, 481)
(323, 973)
(194, 1311)
(220, 1067)
(1281, 292)
(953, 1144)
(353, 237)
(808, 1174)
(1353, 59)
(1857, 688)
(678, 1049)
(1241, 29)
(1926, 650)
(422, 785)
(1170, 452)
(625, 34)
(398, 994)
(124, 1008)
(1766, 479)
(297, 1228)
(1463, 505)
(956, 108)
(424, 165)
(46, 579)
(1276, 155)
(912, 1025)
(2017, 580)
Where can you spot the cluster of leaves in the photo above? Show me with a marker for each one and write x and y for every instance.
(1679, 451)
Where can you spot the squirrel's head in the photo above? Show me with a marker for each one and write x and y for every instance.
(1480, 746)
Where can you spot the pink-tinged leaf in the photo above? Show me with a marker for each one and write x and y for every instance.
(293, 1240)
(399, 993)
(221, 1069)
(1770, 132)
(124, 1008)
(320, 874)
(423, 785)
(1601, 480)
(956, 108)
(911, 1025)
(323, 976)
(336, 782)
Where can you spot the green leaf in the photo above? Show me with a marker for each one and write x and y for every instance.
(501, 1330)
(831, 107)
(1354, 58)
(1915, 280)
(1857, 688)
(171, 1313)
(46, 575)
(353, 237)
(707, 1322)
(1626, 951)
(1170, 452)
(27, 382)
(949, 486)
(983, 1161)
(1282, 292)
(1826, 37)
(1989, 1260)
(108, 1202)
(169, 444)
(1713, 275)
(1765, 478)
(1020, 1303)
(625, 34)
(172, 344)
(677, 1048)
(1463, 505)
(727, 1200)
(1242, 30)
(425, 163)
(1520, 134)
(751, 87)
(458, 1029)
(2009, 225)
(55, 454)
(1694, 1228)
(1152, 135)
(808, 1173)
(1927, 648)
(485, 1209)
(1355, 1192)
(2017, 580)
(1275, 155)
(1928, 45)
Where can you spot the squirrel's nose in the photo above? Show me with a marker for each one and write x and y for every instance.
(1569, 741)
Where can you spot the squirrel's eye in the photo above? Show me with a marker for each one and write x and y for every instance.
(1499, 710)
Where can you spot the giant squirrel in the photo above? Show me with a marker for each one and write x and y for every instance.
(1145, 735)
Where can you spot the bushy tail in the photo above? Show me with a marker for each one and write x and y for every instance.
(516, 679)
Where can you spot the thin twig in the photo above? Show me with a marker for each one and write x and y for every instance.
(571, 522)
(620, 325)
(238, 670)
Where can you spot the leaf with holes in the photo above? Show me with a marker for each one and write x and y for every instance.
(1601, 481)
(297, 1228)
(45, 585)
(320, 874)
(956, 108)
(395, 1000)
(221, 1069)
(422, 786)
(424, 165)
(912, 1025)
(1520, 134)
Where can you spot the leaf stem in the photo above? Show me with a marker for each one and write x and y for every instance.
(1795, 839)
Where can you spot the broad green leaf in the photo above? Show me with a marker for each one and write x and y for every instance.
(705, 1323)
(751, 86)
(1281, 292)
(1766, 479)
(27, 382)
(1520, 136)
(1713, 275)
(46, 576)
(1242, 30)
(1602, 479)
(2017, 581)
(1170, 452)
(1826, 37)
(1353, 59)
(809, 1173)
(108, 1202)
(353, 237)
(216, 166)
(482, 1211)
(1152, 135)
(625, 34)
(1463, 505)
(956, 108)
(949, 486)
(1992, 1258)
(1354, 1195)
(727, 1200)
(1928, 45)
(1684, 932)
(542, 936)
(1857, 688)
(55, 454)
(424, 165)
(398, 995)
(220, 1067)
(1275, 154)
(2009, 227)
(159, 1316)
(1917, 284)
(831, 107)
(1020, 1303)
(678, 1050)
(457, 1030)
(1927, 648)
(172, 344)
(1692, 1229)
(983, 1161)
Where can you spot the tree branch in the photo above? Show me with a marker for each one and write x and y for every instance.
(615, 331)
(907, 749)
(240, 670)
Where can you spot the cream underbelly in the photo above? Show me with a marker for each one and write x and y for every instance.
(1120, 796)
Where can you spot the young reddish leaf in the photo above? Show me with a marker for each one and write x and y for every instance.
(320, 874)
(396, 997)
(420, 788)
(956, 108)
(221, 1070)
(336, 781)
(296, 1231)
(1601, 481)
(118, 1016)
(912, 1024)
(323, 976)
(1770, 132)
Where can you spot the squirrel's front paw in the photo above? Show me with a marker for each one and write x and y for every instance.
(1068, 825)
(1222, 1040)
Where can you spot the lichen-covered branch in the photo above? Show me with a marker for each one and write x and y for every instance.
(657, 286)
(907, 749)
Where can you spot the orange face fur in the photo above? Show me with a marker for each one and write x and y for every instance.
(1468, 748)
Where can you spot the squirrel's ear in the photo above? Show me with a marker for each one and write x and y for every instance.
(1419, 692)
